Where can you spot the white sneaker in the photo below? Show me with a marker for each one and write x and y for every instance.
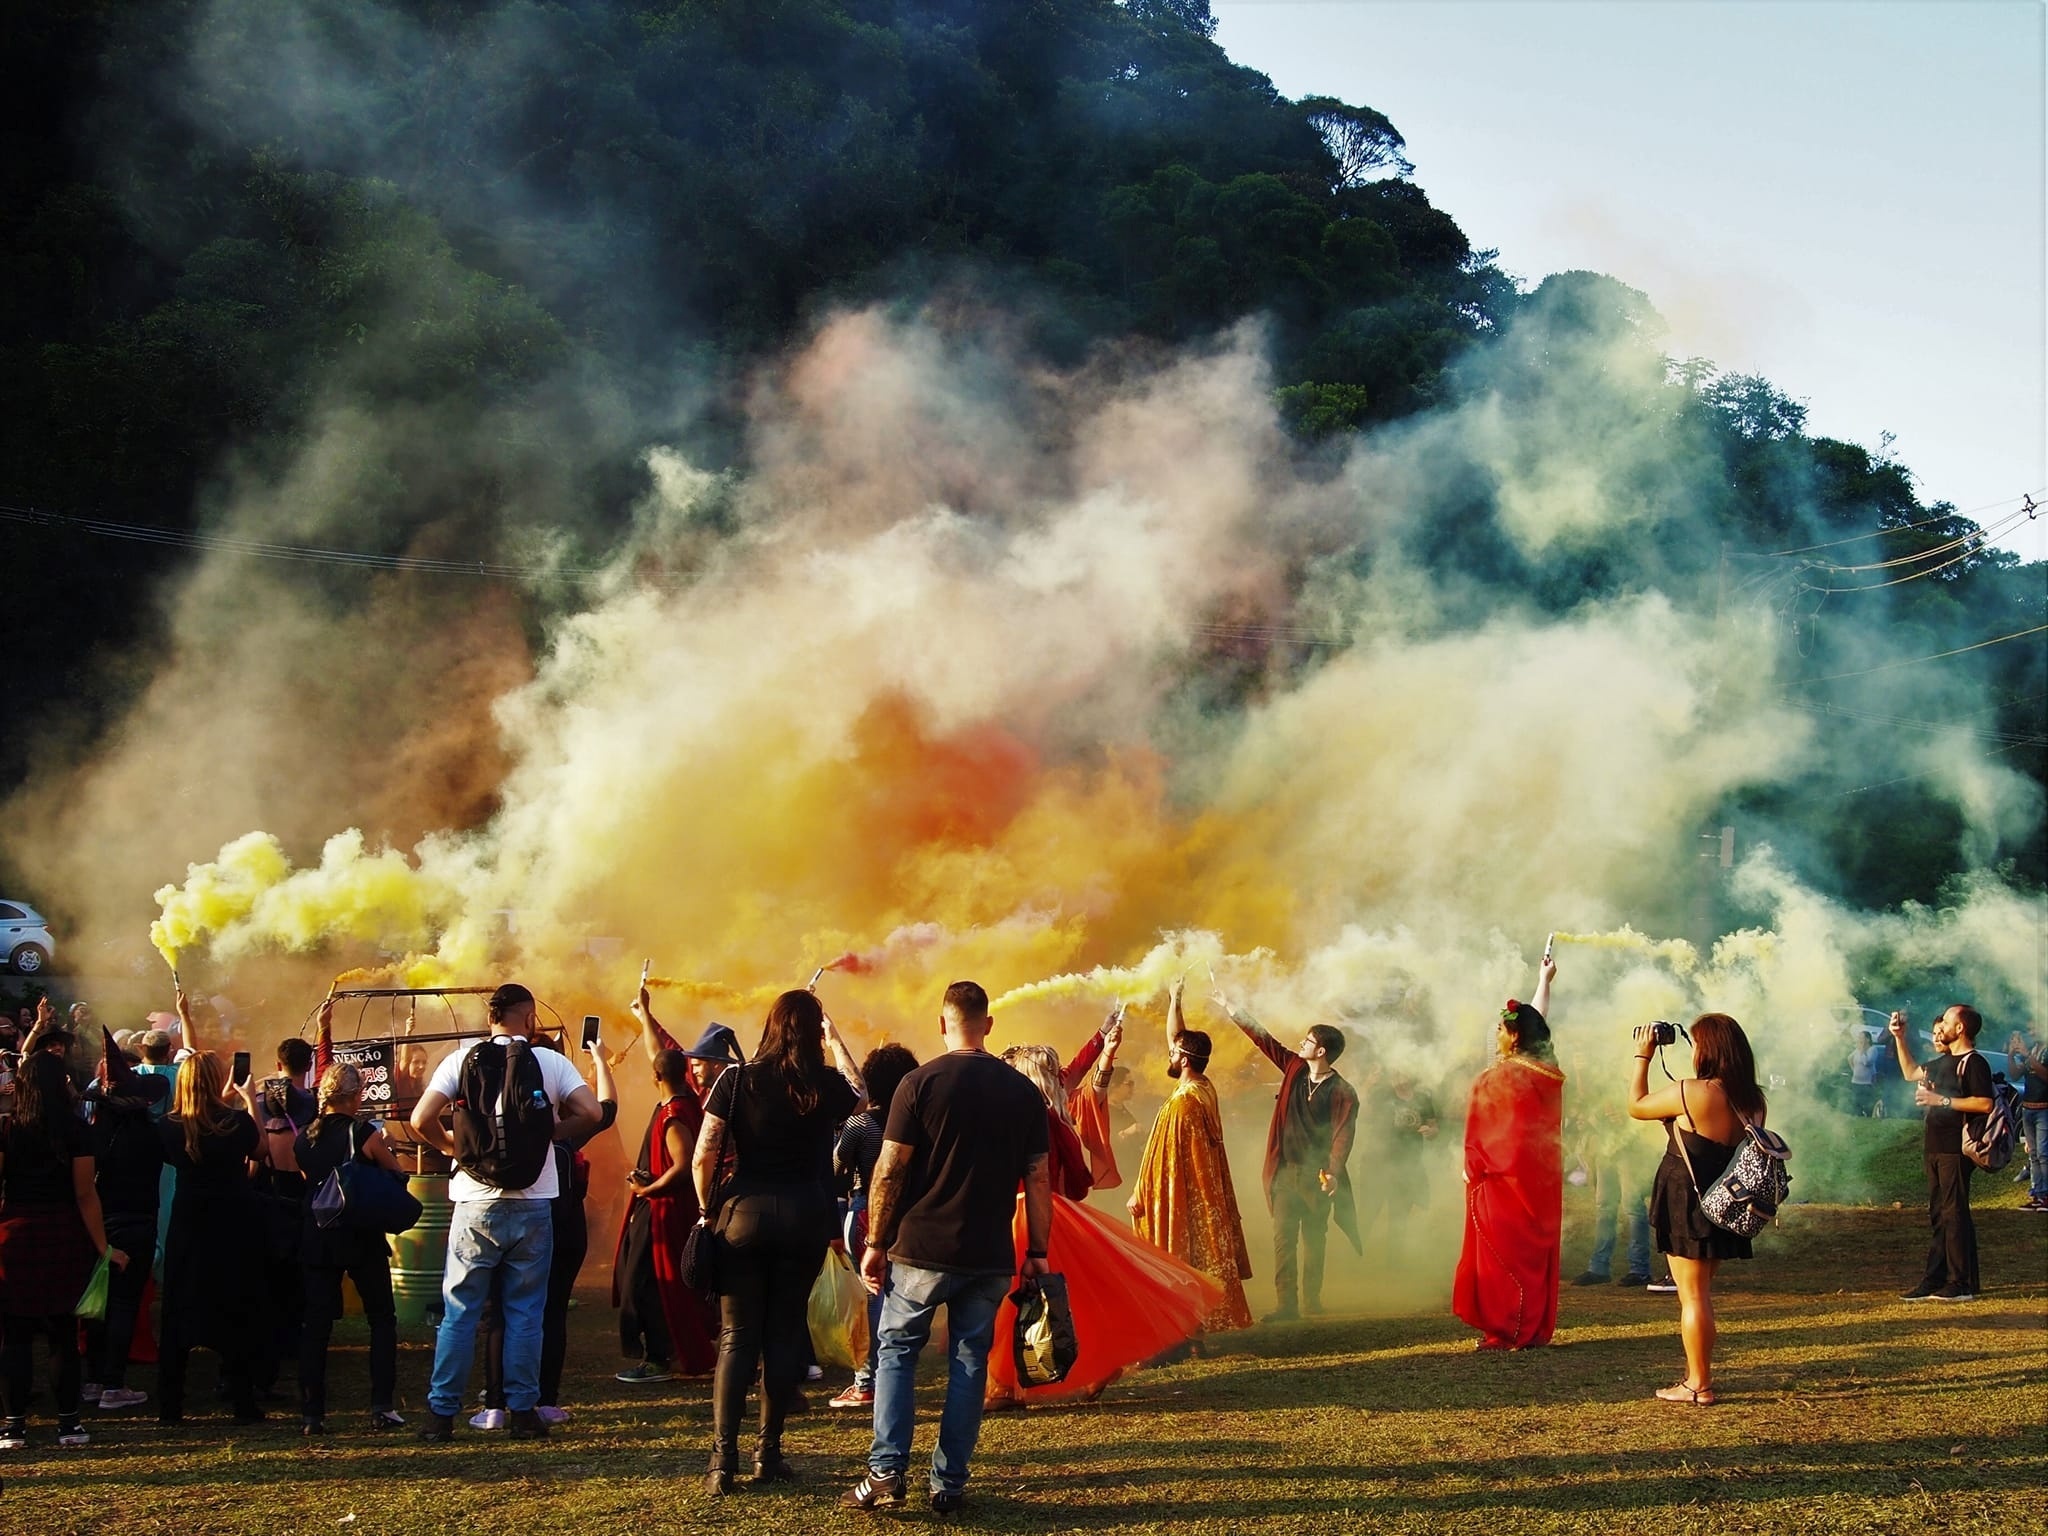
(121, 1397)
(550, 1414)
(814, 1373)
(1664, 1287)
(73, 1434)
(488, 1418)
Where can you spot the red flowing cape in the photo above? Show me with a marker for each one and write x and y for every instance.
(1506, 1285)
(692, 1327)
(1131, 1301)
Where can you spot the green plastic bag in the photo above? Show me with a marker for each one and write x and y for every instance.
(93, 1303)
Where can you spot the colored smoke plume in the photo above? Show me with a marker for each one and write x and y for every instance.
(1102, 685)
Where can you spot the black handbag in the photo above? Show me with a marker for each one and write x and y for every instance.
(699, 1265)
(700, 1259)
(1044, 1344)
(364, 1197)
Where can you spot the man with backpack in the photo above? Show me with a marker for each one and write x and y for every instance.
(510, 1103)
(1955, 1089)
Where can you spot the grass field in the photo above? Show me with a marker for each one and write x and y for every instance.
(1843, 1410)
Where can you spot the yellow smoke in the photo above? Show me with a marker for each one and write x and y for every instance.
(1680, 956)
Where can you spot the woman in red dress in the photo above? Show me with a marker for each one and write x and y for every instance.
(1506, 1284)
(1131, 1301)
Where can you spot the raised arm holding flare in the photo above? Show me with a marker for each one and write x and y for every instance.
(1308, 1149)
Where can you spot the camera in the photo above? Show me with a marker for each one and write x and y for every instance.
(1662, 1034)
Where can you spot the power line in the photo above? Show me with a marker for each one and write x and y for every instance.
(264, 549)
(2018, 634)
(1939, 517)
(1936, 727)
(1969, 544)
(1864, 789)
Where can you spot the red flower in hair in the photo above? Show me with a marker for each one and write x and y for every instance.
(1507, 1014)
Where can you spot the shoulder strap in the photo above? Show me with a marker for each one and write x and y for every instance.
(732, 1121)
(1678, 1139)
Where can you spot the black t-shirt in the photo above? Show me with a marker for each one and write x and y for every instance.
(1955, 1077)
(772, 1142)
(1305, 1128)
(2034, 1086)
(319, 1155)
(38, 1170)
(279, 1095)
(130, 1161)
(973, 1124)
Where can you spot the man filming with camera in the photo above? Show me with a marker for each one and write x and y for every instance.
(1952, 1087)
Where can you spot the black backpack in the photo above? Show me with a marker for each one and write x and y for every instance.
(505, 1150)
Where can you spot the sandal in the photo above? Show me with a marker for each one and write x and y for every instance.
(1697, 1397)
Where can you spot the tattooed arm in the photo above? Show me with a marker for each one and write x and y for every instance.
(885, 1197)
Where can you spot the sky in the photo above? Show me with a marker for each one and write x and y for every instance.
(1844, 196)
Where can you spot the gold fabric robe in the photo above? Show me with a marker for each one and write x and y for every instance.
(1185, 1202)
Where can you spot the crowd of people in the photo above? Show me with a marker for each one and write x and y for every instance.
(948, 1183)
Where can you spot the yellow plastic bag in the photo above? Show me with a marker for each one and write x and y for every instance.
(839, 1315)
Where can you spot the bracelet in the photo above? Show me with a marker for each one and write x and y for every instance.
(1034, 1253)
(1642, 1058)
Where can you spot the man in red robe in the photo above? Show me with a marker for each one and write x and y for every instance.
(1506, 1284)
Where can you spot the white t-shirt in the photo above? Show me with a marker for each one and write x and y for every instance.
(558, 1077)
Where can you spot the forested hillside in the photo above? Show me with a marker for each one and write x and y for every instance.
(527, 237)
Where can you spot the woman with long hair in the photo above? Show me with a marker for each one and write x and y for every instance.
(773, 1218)
(335, 1137)
(214, 1290)
(1706, 1116)
(50, 1235)
(1506, 1283)
(1131, 1301)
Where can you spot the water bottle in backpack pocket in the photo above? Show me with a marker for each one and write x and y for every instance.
(504, 1124)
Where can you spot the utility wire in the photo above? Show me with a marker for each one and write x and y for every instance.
(1936, 727)
(1908, 778)
(2018, 634)
(1875, 533)
(263, 549)
(1967, 543)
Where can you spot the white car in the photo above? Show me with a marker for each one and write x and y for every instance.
(24, 938)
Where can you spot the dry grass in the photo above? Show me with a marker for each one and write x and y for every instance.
(1845, 1410)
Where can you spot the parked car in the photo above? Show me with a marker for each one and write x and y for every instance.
(25, 939)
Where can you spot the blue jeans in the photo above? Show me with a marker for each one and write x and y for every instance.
(2034, 1125)
(855, 1231)
(484, 1237)
(1615, 1187)
(914, 1294)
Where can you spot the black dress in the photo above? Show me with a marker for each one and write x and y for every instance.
(1679, 1225)
(214, 1292)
